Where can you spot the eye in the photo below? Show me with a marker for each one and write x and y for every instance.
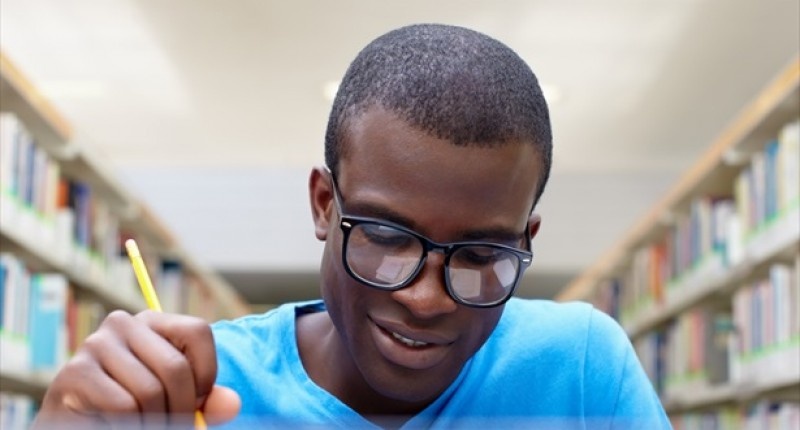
(480, 255)
(385, 236)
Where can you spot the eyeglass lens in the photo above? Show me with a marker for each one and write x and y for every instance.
(388, 257)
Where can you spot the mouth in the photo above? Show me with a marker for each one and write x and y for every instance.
(407, 349)
(406, 341)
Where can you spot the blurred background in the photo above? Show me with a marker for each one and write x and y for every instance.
(194, 124)
(214, 112)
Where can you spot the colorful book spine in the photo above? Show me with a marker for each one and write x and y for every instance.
(170, 286)
(768, 187)
(788, 167)
(762, 415)
(714, 230)
(8, 147)
(16, 411)
(14, 337)
(651, 350)
(47, 325)
(766, 311)
(725, 418)
(771, 416)
(83, 316)
(43, 320)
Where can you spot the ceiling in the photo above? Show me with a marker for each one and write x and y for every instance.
(213, 112)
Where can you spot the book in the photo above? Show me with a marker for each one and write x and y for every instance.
(16, 411)
(9, 127)
(788, 166)
(14, 340)
(48, 322)
(169, 285)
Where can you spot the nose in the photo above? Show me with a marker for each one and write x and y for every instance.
(426, 297)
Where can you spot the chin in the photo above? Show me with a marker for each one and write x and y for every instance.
(408, 397)
(415, 389)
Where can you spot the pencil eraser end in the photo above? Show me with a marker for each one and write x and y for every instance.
(130, 246)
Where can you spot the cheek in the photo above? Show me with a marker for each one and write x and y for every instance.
(338, 291)
(484, 323)
(331, 269)
(330, 281)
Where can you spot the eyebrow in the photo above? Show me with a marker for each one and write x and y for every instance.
(497, 234)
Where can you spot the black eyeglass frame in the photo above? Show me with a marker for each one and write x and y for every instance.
(348, 222)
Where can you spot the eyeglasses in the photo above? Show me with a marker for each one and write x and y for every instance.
(388, 256)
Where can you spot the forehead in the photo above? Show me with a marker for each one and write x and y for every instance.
(390, 163)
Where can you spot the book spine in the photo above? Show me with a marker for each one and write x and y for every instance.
(48, 322)
(14, 339)
(16, 411)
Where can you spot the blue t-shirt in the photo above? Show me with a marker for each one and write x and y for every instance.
(546, 365)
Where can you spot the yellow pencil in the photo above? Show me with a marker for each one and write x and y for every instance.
(152, 301)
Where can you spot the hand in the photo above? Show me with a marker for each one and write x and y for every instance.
(153, 369)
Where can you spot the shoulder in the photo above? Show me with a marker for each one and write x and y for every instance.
(543, 317)
(257, 334)
(572, 351)
(573, 320)
(253, 324)
(247, 327)
(533, 334)
(546, 343)
(545, 308)
(552, 332)
(258, 351)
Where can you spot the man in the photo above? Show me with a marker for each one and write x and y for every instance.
(438, 148)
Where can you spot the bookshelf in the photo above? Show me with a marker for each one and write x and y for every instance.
(26, 384)
(63, 219)
(707, 282)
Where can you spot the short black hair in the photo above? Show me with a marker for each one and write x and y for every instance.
(455, 83)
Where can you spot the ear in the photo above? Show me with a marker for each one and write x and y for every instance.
(321, 195)
(534, 222)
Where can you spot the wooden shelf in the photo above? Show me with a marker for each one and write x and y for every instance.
(22, 383)
(54, 134)
(784, 385)
(780, 239)
(710, 284)
(224, 294)
(40, 255)
(41, 118)
(776, 104)
(25, 234)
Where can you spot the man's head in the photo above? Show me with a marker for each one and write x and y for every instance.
(452, 82)
(443, 132)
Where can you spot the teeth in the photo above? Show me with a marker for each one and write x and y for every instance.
(407, 341)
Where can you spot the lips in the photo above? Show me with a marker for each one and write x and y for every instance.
(408, 348)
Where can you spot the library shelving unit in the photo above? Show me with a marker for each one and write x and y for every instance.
(63, 220)
(707, 283)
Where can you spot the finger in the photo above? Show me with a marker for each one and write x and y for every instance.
(192, 337)
(171, 367)
(86, 391)
(122, 365)
(222, 405)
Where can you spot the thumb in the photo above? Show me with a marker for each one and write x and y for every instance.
(222, 404)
